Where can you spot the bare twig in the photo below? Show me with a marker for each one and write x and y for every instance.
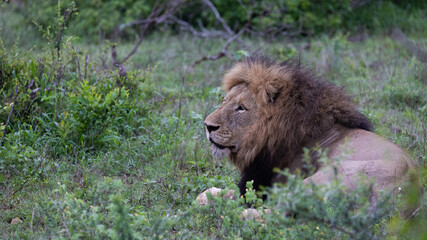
(133, 51)
(169, 18)
(114, 55)
(68, 12)
(10, 112)
(141, 22)
(31, 84)
(223, 52)
(218, 16)
(231, 39)
(164, 13)
(159, 14)
(203, 33)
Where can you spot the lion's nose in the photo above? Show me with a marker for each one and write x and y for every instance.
(211, 128)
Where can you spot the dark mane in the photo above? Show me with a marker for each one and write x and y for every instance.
(298, 110)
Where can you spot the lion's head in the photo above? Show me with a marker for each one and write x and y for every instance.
(227, 126)
(271, 112)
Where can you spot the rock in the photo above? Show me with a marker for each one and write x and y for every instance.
(202, 199)
(16, 220)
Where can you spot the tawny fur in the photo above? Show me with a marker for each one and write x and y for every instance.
(272, 111)
(293, 100)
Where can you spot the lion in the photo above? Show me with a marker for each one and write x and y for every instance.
(272, 111)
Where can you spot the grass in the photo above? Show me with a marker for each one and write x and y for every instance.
(145, 183)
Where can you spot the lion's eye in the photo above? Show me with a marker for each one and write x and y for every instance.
(240, 109)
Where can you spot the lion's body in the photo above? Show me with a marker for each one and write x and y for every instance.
(359, 152)
(273, 111)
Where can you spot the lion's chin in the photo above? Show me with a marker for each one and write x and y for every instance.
(219, 153)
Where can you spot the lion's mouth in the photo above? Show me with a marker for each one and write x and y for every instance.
(219, 146)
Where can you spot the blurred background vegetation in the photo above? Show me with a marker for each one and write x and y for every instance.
(102, 105)
(102, 19)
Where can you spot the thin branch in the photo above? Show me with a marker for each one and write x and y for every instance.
(159, 14)
(204, 33)
(218, 16)
(164, 13)
(133, 51)
(223, 52)
(138, 22)
(142, 34)
(68, 12)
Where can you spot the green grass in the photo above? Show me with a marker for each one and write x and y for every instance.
(145, 183)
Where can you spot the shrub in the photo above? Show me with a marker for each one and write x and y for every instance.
(61, 103)
(95, 18)
(98, 20)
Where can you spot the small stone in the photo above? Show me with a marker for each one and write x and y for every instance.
(16, 220)
(203, 198)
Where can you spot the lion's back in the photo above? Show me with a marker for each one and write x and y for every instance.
(361, 145)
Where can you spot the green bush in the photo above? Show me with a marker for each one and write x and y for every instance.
(91, 118)
(81, 218)
(19, 160)
(97, 20)
(87, 153)
(61, 103)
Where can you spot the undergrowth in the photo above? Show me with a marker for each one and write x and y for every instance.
(90, 152)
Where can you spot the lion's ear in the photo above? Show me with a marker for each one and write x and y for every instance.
(271, 91)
